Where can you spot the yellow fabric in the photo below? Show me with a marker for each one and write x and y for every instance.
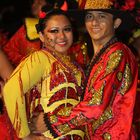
(13, 93)
(33, 70)
(30, 27)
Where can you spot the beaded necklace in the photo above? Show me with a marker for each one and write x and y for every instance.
(98, 55)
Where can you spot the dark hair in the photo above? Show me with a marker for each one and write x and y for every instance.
(55, 9)
(49, 13)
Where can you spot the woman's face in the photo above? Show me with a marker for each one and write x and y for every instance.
(58, 34)
(100, 25)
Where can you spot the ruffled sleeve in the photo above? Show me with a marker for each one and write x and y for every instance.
(25, 76)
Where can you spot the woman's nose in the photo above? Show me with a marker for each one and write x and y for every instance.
(62, 35)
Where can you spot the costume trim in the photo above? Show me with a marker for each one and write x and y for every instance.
(31, 31)
(48, 125)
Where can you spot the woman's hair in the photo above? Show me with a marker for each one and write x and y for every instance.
(48, 13)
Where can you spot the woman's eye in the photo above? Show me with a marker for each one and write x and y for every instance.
(68, 29)
(53, 31)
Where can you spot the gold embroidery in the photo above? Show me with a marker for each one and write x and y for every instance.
(127, 80)
(104, 117)
(64, 128)
(64, 111)
(79, 120)
(84, 51)
(114, 60)
(107, 136)
(53, 119)
(97, 96)
(98, 4)
(95, 76)
(119, 76)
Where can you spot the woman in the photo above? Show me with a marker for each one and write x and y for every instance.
(57, 79)
(107, 107)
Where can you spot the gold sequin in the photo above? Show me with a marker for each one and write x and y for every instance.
(64, 128)
(97, 96)
(79, 120)
(107, 136)
(127, 80)
(104, 117)
(64, 111)
(53, 119)
(119, 76)
(98, 4)
(95, 76)
(113, 62)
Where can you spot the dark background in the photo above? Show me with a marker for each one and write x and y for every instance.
(12, 14)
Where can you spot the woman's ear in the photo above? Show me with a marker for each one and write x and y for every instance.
(117, 23)
(41, 36)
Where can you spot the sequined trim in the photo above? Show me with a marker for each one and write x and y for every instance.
(119, 76)
(102, 119)
(98, 4)
(95, 76)
(79, 120)
(53, 119)
(97, 96)
(63, 128)
(64, 111)
(30, 28)
(127, 80)
(113, 62)
(107, 136)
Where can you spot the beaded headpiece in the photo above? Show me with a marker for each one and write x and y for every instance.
(119, 8)
(98, 4)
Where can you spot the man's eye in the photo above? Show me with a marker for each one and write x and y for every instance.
(89, 16)
(102, 16)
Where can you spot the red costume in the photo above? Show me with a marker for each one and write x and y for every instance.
(107, 108)
(23, 42)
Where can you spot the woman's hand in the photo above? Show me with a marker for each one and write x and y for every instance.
(37, 124)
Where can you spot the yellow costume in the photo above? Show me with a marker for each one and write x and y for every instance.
(58, 82)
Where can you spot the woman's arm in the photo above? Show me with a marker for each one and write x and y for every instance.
(25, 76)
(5, 67)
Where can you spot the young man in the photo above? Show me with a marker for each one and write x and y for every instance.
(107, 107)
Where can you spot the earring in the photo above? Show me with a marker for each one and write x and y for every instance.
(115, 27)
(43, 45)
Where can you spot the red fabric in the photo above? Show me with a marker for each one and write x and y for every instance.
(6, 130)
(3, 38)
(19, 46)
(79, 54)
(136, 118)
(101, 125)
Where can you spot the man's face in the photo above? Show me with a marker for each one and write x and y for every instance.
(100, 25)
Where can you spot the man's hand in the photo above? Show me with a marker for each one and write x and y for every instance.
(35, 137)
(37, 124)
